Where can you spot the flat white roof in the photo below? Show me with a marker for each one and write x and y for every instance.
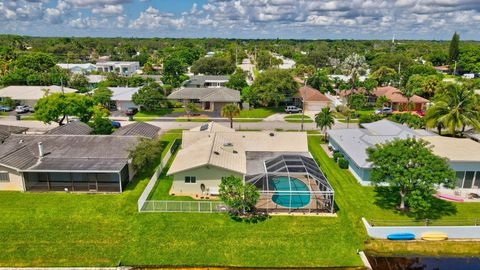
(28, 92)
(123, 93)
(455, 149)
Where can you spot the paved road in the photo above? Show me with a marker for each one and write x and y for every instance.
(36, 126)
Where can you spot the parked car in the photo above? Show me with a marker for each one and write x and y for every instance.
(131, 111)
(5, 109)
(292, 109)
(116, 124)
(22, 109)
(384, 110)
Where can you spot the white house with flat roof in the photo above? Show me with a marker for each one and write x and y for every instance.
(29, 95)
(126, 68)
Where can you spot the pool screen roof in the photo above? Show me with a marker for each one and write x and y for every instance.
(296, 164)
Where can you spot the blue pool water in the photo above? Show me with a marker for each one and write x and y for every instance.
(293, 199)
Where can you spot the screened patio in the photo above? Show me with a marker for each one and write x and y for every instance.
(292, 184)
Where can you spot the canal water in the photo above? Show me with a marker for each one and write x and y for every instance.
(424, 263)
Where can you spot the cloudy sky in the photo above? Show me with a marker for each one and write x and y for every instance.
(311, 19)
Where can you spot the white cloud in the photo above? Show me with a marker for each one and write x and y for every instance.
(153, 18)
(108, 10)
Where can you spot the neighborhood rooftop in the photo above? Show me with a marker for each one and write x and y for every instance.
(72, 128)
(356, 141)
(6, 131)
(220, 94)
(138, 129)
(66, 152)
(123, 93)
(28, 92)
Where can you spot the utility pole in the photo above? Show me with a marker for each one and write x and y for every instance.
(455, 68)
(399, 76)
(236, 55)
(303, 102)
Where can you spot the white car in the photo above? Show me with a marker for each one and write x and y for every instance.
(22, 109)
(292, 109)
(384, 110)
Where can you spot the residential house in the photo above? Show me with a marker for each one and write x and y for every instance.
(94, 80)
(78, 68)
(29, 95)
(398, 101)
(122, 97)
(206, 81)
(212, 151)
(353, 143)
(313, 99)
(463, 155)
(138, 129)
(442, 69)
(126, 68)
(67, 159)
(209, 99)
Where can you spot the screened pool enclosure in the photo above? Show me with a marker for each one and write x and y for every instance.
(292, 183)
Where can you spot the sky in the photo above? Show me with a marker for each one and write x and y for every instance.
(295, 19)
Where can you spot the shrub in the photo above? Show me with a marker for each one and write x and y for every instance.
(368, 118)
(342, 163)
(413, 121)
(336, 156)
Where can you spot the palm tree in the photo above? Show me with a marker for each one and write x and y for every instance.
(191, 108)
(324, 120)
(354, 65)
(454, 109)
(230, 111)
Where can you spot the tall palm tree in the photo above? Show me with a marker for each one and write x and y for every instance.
(230, 111)
(324, 119)
(354, 65)
(455, 109)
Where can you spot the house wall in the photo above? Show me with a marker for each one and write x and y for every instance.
(362, 174)
(210, 176)
(15, 183)
(123, 105)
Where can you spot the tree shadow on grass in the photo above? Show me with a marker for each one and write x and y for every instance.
(389, 198)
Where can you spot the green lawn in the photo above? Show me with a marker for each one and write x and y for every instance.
(260, 112)
(159, 113)
(297, 118)
(59, 229)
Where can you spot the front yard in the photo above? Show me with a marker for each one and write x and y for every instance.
(260, 112)
(59, 229)
(297, 118)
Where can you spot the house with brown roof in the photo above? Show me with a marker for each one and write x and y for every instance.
(398, 101)
(313, 99)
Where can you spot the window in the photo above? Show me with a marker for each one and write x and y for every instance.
(467, 183)
(460, 176)
(4, 177)
(190, 179)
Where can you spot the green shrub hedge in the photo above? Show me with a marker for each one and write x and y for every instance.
(343, 163)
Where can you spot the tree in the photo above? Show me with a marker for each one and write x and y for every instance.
(265, 60)
(102, 95)
(384, 75)
(357, 101)
(381, 101)
(239, 197)
(410, 168)
(37, 62)
(237, 80)
(146, 154)
(150, 97)
(469, 59)
(454, 49)
(213, 66)
(57, 106)
(191, 108)
(355, 66)
(320, 81)
(101, 124)
(79, 82)
(324, 120)
(454, 109)
(8, 101)
(273, 86)
(173, 69)
(230, 111)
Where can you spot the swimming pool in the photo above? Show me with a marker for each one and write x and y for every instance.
(290, 199)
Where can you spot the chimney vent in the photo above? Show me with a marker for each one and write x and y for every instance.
(41, 153)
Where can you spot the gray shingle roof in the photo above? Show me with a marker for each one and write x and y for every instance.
(221, 94)
(72, 128)
(199, 80)
(67, 152)
(138, 129)
(5, 131)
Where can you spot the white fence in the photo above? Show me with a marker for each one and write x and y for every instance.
(184, 206)
(467, 232)
(153, 180)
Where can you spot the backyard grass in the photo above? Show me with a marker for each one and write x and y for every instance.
(260, 112)
(67, 229)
